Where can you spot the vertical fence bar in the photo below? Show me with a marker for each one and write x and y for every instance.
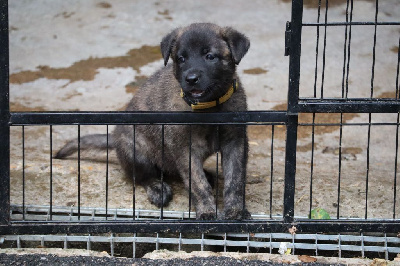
(162, 171)
(244, 162)
(317, 50)
(79, 172)
(340, 167)
(23, 172)
(294, 60)
(312, 164)
(397, 138)
(373, 50)
(315, 96)
(290, 168)
(216, 170)
(368, 165)
(51, 172)
(395, 167)
(4, 117)
(344, 49)
(190, 169)
(134, 174)
(107, 176)
(272, 170)
(293, 98)
(348, 49)
(397, 75)
(324, 50)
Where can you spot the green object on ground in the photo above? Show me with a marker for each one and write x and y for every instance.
(319, 213)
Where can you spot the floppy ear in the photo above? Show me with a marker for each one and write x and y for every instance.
(167, 43)
(238, 43)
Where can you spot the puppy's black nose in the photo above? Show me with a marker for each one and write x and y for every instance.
(192, 78)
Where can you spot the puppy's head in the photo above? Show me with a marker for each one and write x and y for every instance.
(204, 58)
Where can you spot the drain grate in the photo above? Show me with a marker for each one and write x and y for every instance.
(266, 242)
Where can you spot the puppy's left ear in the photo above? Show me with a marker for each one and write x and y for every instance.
(167, 43)
(238, 43)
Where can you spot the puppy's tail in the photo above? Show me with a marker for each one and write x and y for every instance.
(95, 141)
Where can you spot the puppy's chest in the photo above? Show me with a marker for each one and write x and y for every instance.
(207, 138)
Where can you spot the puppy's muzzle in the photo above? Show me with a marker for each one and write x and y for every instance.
(193, 78)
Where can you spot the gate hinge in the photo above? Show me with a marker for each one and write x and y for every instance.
(288, 38)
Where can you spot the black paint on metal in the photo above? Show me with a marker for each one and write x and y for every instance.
(4, 117)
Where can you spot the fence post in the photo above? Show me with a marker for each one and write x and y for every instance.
(293, 49)
(4, 117)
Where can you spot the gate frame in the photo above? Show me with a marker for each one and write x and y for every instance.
(289, 118)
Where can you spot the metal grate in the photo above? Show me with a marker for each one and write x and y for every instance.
(360, 245)
(268, 242)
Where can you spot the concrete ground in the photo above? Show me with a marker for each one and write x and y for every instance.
(164, 257)
(92, 55)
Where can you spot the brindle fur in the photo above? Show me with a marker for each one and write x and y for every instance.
(161, 92)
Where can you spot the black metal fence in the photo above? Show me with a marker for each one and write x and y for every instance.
(315, 105)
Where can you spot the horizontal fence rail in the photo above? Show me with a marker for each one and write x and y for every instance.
(129, 118)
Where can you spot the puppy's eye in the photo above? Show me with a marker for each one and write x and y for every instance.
(210, 57)
(181, 59)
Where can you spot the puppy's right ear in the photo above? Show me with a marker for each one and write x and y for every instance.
(167, 43)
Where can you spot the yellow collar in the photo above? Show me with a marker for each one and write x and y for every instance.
(205, 105)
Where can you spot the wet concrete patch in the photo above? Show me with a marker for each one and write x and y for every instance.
(87, 69)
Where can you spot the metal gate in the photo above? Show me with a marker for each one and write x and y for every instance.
(297, 105)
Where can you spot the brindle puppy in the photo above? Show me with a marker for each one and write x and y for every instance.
(203, 71)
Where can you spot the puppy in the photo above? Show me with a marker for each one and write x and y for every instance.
(202, 77)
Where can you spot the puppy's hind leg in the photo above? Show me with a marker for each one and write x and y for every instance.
(145, 173)
(148, 175)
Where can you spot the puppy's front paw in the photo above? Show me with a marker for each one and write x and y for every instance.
(159, 194)
(237, 214)
(206, 216)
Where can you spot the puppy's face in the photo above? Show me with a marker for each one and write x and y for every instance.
(205, 58)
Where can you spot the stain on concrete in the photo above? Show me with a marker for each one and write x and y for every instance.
(255, 71)
(104, 5)
(65, 14)
(165, 14)
(395, 49)
(387, 95)
(87, 69)
(259, 132)
(347, 153)
(307, 147)
(133, 86)
(18, 107)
